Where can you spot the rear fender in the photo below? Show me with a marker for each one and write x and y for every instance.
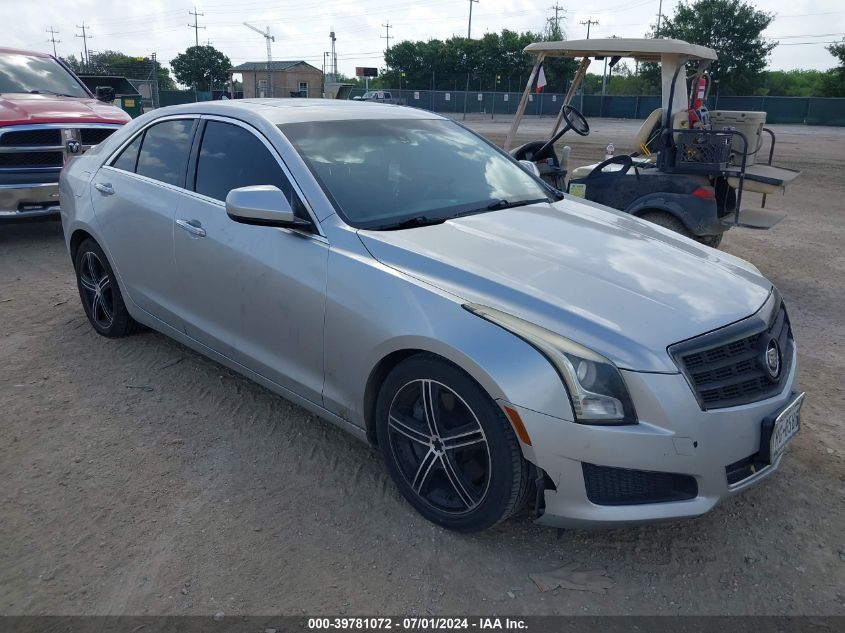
(700, 216)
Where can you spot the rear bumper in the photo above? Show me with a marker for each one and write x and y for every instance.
(691, 457)
(28, 200)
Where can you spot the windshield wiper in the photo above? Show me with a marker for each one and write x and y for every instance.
(419, 220)
(497, 205)
(49, 92)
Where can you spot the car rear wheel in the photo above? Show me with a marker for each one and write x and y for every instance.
(100, 293)
(448, 446)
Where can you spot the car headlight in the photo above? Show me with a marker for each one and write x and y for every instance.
(594, 385)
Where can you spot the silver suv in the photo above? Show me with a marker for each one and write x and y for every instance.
(406, 280)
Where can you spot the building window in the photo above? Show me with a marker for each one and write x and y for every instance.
(303, 88)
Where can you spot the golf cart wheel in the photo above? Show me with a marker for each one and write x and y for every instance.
(667, 221)
(99, 292)
(712, 241)
(448, 446)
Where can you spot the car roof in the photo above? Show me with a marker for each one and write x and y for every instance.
(643, 49)
(20, 51)
(295, 110)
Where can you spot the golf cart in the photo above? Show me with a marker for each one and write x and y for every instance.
(689, 168)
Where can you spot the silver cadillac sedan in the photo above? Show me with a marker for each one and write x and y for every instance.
(399, 276)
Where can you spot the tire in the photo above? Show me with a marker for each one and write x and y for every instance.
(669, 221)
(99, 292)
(712, 241)
(467, 472)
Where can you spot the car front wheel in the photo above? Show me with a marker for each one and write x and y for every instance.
(448, 446)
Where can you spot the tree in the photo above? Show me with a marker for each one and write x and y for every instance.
(122, 65)
(732, 28)
(495, 60)
(201, 66)
(833, 82)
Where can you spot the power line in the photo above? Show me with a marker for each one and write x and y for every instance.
(196, 25)
(53, 39)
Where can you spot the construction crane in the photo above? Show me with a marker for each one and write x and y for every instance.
(269, 39)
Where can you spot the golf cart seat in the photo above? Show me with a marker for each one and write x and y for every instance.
(646, 132)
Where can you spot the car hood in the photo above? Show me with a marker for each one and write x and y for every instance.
(621, 286)
(26, 108)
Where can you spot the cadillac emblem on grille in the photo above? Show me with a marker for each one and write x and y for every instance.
(772, 359)
(74, 146)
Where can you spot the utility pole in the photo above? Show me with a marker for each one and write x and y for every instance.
(589, 23)
(387, 36)
(196, 25)
(53, 39)
(469, 26)
(659, 15)
(334, 56)
(84, 37)
(557, 9)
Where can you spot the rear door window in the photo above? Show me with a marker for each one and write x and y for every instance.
(128, 158)
(164, 151)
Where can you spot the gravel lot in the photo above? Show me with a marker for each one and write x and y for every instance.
(141, 478)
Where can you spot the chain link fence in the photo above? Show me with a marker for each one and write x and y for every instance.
(801, 110)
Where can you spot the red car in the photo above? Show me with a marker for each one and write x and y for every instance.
(47, 115)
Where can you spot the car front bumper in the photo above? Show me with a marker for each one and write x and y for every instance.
(674, 436)
(28, 200)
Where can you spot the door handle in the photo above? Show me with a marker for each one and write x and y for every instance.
(192, 226)
(104, 188)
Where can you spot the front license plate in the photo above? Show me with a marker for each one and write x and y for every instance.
(786, 425)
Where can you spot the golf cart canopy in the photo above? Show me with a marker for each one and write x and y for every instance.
(671, 55)
(643, 50)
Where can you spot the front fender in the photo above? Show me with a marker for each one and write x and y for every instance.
(362, 329)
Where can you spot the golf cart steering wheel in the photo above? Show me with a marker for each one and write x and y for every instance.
(575, 120)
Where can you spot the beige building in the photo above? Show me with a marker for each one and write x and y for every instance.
(284, 79)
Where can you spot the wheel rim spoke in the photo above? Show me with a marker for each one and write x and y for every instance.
(463, 439)
(88, 284)
(398, 424)
(423, 471)
(429, 406)
(456, 481)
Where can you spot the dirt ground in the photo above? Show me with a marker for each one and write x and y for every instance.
(140, 478)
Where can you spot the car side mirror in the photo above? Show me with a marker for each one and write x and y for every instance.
(104, 93)
(264, 205)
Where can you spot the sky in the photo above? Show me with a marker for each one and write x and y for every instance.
(301, 28)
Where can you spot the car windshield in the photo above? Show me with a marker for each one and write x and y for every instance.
(26, 73)
(383, 172)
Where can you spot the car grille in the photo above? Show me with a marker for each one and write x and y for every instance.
(94, 135)
(41, 148)
(610, 486)
(727, 368)
(31, 159)
(32, 137)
